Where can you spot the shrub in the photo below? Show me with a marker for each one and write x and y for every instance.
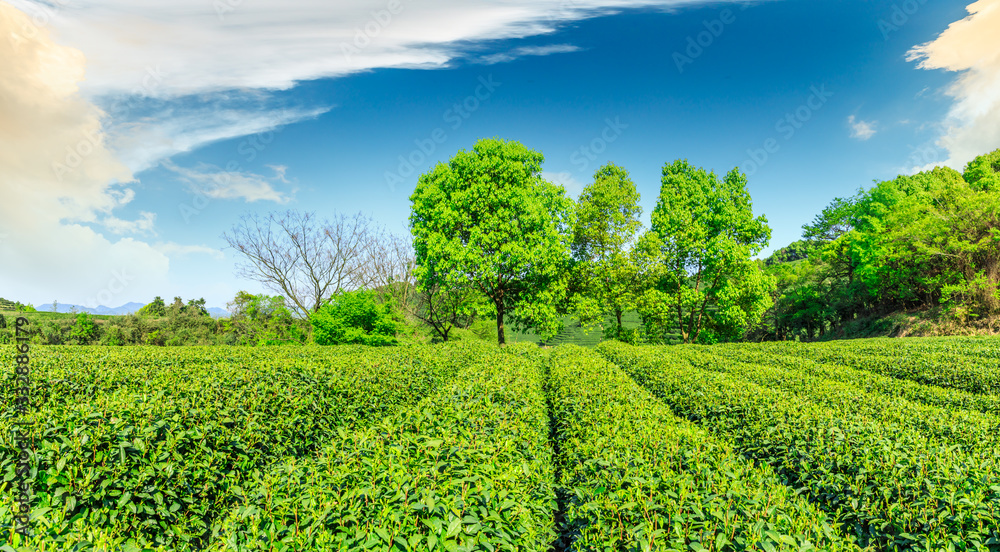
(83, 331)
(355, 317)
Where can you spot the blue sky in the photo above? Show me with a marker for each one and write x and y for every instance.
(812, 99)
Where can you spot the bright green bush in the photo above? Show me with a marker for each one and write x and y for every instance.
(83, 331)
(355, 317)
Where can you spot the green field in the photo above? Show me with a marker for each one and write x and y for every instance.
(882, 445)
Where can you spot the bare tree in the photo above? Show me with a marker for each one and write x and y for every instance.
(390, 267)
(305, 259)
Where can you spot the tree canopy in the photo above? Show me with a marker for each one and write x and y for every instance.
(607, 280)
(488, 220)
(704, 236)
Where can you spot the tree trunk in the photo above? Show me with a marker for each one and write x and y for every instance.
(618, 314)
(501, 339)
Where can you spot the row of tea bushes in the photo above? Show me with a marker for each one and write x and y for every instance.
(952, 370)
(156, 464)
(886, 385)
(892, 488)
(71, 374)
(468, 468)
(972, 429)
(638, 478)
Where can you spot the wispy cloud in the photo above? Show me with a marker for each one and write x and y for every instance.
(516, 53)
(169, 76)
(143, 225)
(970, 47)
(862, 130)
(217, 183)
(165, 96)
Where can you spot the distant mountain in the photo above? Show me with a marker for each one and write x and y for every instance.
(216, 312)
(127, 308)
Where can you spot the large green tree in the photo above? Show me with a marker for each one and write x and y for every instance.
(607, 222)
(705, 236)
(488, 219)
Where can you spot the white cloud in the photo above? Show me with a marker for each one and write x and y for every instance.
(516, 53)
(272, 44)
(58, 176)
(143, 225)
(572, 185)
(169, 76)
(179, 52)
(862, 130)
(972, 48)
(217, 183)
(163, 131)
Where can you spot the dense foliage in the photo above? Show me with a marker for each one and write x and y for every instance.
(928, 240)
(148, 445)
(467, 446)
(638, 478)
(900, 477)
(487, 220)
(468, 468)
(355, 317)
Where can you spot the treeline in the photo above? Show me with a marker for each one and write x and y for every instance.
(493, 240)
(254, 320)
(930, 241)
(494, 245)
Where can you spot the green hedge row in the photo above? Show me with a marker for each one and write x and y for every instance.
(954, 370)
(886, 385)
(638, 478)
(156, 460)
(468, 468)
(972, 429)
(891, 487)
(73, 374)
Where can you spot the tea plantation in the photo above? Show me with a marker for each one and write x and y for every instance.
(881, 445)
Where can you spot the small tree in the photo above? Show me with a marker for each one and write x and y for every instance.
(355, 317)
(487, 219)
(262, 320)
(607, 220)
(156, 309)
(706, 235)
(307, 259)
(444, 308)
